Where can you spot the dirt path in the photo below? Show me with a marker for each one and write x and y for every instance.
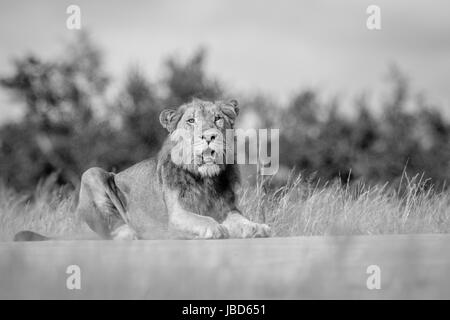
(277, 268)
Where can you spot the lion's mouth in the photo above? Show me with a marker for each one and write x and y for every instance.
(208, 166)
(209, 156)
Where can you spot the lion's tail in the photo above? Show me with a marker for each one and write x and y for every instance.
(29, 236)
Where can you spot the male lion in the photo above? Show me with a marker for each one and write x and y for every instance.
(189, 186)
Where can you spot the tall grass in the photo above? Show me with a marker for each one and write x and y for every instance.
(300, 207)
(49, 210)
(304, 208)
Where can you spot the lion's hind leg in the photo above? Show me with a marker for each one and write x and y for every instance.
(101, 205)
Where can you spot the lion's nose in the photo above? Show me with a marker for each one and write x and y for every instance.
(209, 136)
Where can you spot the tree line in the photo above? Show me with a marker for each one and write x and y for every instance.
(70, 124)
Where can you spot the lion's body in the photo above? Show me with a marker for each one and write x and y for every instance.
(143, 192)
(191, 192)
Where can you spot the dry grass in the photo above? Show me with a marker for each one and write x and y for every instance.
(298, 208)
(48, 210)
(303, 208)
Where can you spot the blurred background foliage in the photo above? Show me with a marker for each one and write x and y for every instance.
(70, 123)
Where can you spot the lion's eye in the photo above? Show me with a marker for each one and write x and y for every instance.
(191, 120)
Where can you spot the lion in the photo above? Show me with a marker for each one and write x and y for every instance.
(189, 186)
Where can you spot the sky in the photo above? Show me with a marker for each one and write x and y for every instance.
(275, 47)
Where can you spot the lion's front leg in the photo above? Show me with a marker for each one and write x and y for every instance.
(200, 227)
(240, 227)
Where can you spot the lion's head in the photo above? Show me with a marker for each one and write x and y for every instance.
(198, 132)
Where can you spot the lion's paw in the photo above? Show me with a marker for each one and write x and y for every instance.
(262, 230)
(124, 232)
(212, 230)
(240, 227)
(254, 230)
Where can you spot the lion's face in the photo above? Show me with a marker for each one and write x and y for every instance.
(198, 134)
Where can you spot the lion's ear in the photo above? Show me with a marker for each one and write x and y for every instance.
(167, 118)
(231, 109)
(235, 104)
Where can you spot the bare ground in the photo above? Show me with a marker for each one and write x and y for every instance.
(412, 266)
